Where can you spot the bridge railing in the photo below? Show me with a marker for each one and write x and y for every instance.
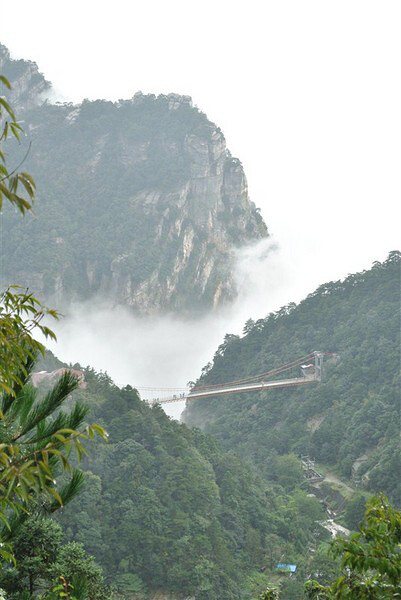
(311, 368)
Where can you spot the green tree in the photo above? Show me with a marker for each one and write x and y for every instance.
(20, 312)
(324, 567)
(42, 559)
(12, 181)
(81, 571)
(35, 547)
(269, 594)
(36, 437)
(355, 511)
(129, 583)
(287, 470)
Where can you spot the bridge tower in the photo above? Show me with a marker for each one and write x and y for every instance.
(318, 365)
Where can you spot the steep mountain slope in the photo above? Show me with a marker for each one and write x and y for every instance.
(139, 201)
(166, 510)
(29, 86)
(351, 420)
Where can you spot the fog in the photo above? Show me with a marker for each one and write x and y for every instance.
(168, 351)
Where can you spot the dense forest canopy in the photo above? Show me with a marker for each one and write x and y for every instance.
(165, 508)
(350, 421)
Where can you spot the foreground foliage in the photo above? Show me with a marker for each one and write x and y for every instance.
(21, 316)
(36, 437)
(20, 312)
(11, 181)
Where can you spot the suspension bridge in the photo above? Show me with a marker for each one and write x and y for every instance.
(302, 371)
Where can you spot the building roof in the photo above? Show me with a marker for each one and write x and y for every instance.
(285, 567)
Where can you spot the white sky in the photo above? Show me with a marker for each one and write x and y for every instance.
(307, 93)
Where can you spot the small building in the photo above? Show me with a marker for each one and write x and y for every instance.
(286, 568)
(308, 371)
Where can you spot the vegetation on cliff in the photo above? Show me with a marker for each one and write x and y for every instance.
(140, 202)
(350, 421)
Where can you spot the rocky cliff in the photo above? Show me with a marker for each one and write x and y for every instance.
(139, 201)
(29, 86)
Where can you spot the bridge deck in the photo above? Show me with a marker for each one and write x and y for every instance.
(237, 389)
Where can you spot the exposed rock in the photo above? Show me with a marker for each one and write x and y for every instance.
(28, 85)
(358, 462)
(41, 377)
(314, 423)
(139, 201)
(335, 529)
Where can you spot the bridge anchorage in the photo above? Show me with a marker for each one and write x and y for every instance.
(308, 369)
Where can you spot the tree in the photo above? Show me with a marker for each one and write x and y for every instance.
(43, 559)
(287, 470)
(36, 437)
(249, 325)
(355, 511)
(12, 181)
(81, 571)
(20, 314)
(275, 549)
(35, 547)
(20, 311)
(323, 567)
(269, 594)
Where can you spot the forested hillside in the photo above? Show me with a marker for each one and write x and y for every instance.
(165, 509)
(350, 422)
(139, 201)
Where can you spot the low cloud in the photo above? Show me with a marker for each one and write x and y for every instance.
(168, 351)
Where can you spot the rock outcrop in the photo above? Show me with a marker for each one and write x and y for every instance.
(139, 202)
(29, 85)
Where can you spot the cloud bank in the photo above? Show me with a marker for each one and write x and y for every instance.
(168, 351)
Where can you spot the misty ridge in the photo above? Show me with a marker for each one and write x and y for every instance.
(139, 201)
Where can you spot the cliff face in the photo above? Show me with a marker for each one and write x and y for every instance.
(138, 201)
(28, 84)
